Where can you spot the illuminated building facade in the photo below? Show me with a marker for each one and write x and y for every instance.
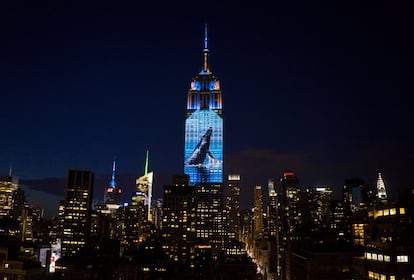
(258, 212)
(203, 152)
(357, 198)
(113, 192)
(319, 200)
(144, 189)
(381, 191)
(233, 206)
(272, 209)
(78, 207)
(388, 249)
(179, 223)
(8, 186)
(290, 219)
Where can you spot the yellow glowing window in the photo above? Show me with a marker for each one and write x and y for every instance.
(380, 213)
(393, 211)
(402, 259)
(402, 212)
(386, 212)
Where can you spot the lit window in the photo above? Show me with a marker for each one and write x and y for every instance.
(393, 211)
(387, 258)
(402, 259)
(402, 212)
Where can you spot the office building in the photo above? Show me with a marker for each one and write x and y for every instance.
(179, 223)
(272, 211)
(233, 207)
(203, 151)
(258, 213)
(8, 186)
(77, 213)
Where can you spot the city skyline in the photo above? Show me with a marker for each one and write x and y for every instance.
(329, 101)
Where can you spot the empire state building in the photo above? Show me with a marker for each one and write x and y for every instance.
(203, 149)
(203, 154)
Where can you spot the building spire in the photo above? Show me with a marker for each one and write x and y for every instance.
(146, 164)
(381, 191)
(205, 37)
(206, 62)
(11, 169)
(113, 183)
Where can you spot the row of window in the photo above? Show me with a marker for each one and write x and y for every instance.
(385, 258)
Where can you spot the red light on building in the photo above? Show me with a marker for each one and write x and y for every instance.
(288, 173)
(119, 190)
(109, 189)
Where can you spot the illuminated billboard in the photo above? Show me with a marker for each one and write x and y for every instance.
(203, 159)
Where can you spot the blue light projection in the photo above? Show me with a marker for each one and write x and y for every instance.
(204, 147)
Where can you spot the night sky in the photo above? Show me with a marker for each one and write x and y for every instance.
(324, 91)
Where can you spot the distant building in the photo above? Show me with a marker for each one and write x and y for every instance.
(77, 213)
(381, 190)
(112, 192)
(258, 213)
(233, 207)
(8, 186)
(179, 222)
(319, 200)
(272, 211)
(203, 152)
(357, 199)
(290, 219)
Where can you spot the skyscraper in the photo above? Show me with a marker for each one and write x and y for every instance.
(78, 207)
(233, 207)
(144, 188)
(290, 218)
(381, 191)
(258, 212)
(8, 185)
(203, 151)
(113, 192)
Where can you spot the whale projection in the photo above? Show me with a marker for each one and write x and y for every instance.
(201, 150)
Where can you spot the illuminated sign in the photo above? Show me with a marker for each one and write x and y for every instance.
(203, 152)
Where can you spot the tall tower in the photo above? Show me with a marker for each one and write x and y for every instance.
(8, 186)
(290, 219)
(144, 188)
(78, 207)
(233, 206)
(203, 151)
(381, 191)
(258, 212)
(272, 208)
(113, 192)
